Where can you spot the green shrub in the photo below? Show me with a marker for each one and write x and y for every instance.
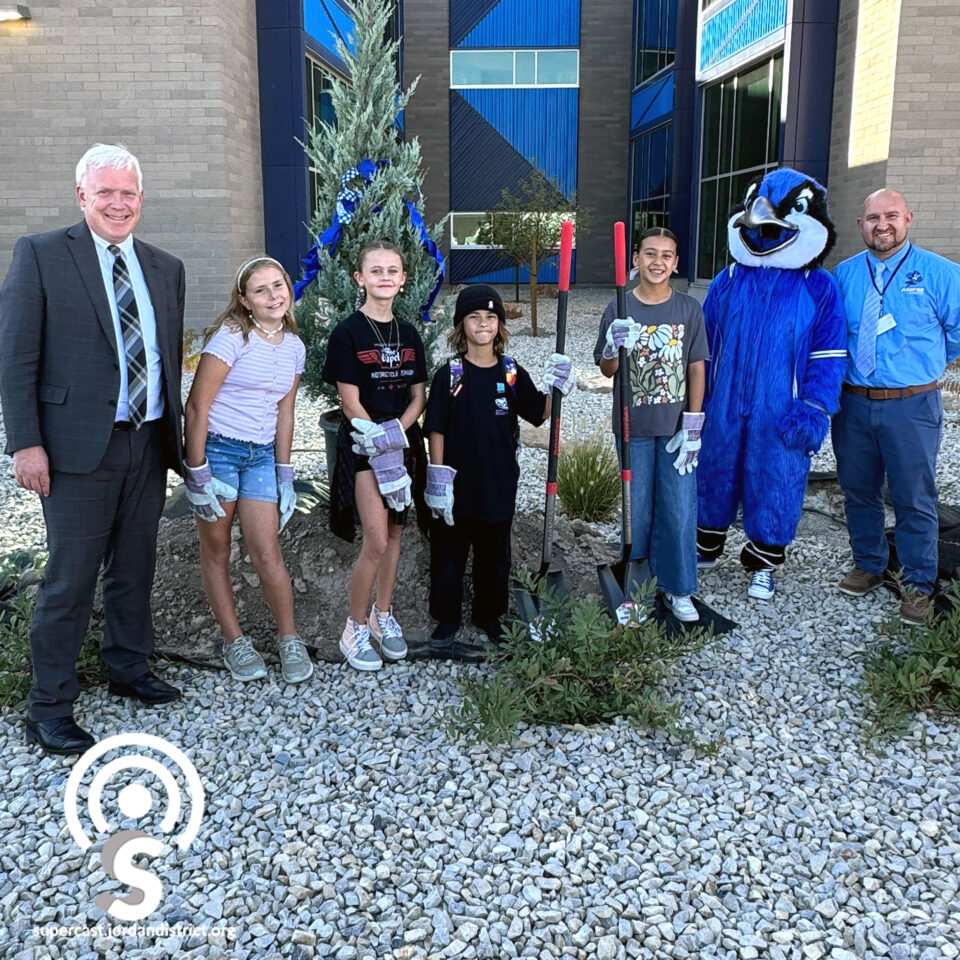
(914, 669)
(15, 664)
(588, 480)
(587, 670)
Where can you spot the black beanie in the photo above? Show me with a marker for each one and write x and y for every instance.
(478, 296)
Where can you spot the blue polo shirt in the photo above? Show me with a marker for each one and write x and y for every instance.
(923, 298)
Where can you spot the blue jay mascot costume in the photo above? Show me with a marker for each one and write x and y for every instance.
(777, 334)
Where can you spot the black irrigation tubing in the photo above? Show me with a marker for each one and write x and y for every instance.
(840, 521)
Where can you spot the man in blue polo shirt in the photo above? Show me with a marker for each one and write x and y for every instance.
(903, 328)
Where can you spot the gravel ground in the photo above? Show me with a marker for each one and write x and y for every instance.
(342, 820)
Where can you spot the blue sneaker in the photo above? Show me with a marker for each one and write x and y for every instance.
(762, 586)
(706, 563)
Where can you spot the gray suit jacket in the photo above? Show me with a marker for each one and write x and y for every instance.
(59, 362)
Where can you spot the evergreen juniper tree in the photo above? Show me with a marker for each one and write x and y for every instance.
(366, 111)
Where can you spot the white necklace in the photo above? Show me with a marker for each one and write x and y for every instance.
(270, 334)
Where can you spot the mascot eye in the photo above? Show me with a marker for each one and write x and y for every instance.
(801, 205)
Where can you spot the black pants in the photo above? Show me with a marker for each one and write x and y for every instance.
(108, 517)
(449, 547)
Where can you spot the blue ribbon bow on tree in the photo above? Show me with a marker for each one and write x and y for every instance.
(347, 199)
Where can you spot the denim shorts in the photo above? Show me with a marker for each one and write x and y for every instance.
(248, 467)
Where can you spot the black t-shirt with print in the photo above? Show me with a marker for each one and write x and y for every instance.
(383, 359)
(478, 435)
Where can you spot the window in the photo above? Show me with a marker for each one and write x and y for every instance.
(652, 165)
(465, 228)
(656, 38)
(739, 140)
(319, 107)
(514, 68)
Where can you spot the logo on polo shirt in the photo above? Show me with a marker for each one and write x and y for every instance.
(913, 279)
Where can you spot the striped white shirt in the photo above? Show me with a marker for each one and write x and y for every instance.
(260, 376)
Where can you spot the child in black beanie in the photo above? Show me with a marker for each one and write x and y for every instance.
(472, 423)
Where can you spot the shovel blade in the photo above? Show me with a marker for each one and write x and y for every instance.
(527, 608)
(610, 588)
(636, 578)
(556, 588)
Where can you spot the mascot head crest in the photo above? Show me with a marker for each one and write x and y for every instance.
(783, 223)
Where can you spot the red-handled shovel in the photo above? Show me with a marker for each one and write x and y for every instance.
(620, 581)
(528, 607)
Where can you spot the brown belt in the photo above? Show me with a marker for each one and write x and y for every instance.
(889, 393)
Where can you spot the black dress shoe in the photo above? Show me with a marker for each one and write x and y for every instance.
(493, 628)
(148, 689)
(60, 735)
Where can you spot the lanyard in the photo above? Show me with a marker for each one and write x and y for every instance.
(896, 270)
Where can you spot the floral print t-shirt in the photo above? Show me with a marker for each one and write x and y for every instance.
(673, 337)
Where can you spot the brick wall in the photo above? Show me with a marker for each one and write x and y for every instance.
(925, 140)
(606, 38)
(850, 182)
(176, 85)
(902, 127)
(427, 55)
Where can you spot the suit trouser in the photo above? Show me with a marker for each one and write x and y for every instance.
(900, 438)
(449, 547)
(109, 517)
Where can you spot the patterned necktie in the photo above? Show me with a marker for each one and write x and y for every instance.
(869, 321)
(132, 339)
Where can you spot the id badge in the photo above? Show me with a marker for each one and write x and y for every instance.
(885, 323)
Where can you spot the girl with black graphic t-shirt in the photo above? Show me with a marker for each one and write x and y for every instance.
(475, 400)
(378, 365)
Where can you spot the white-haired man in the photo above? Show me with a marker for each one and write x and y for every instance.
(92, 324)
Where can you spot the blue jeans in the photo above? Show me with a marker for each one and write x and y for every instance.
(900, 438)
(664, 506)
(248, 467)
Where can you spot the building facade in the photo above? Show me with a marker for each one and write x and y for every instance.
(652, 111)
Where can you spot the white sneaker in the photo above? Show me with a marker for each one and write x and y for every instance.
(682, 607)
(294, 659)
(386, 631)
(243, 661)
(355, 646)
(762, 586)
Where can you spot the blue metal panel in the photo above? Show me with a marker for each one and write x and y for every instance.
(733, 28)
(465, 15)
(482, 163)
(282, 108)
(527, 23)
(325, 21)
(540, 123)
(652, 103)
(488, 266)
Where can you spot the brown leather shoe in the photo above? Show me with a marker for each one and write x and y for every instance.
(858, 583)
(915, 608)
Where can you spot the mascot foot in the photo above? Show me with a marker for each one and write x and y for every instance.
(762, 586)
(710, 543)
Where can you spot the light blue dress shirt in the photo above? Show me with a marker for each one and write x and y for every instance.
(923, 297)
(148, 327)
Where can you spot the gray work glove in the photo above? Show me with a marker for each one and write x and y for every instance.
(621, 333)
(371, 438)
(687, 441)
(203, 489)
(558, 374)
(287, 495)
(392, 479)
(439, 492)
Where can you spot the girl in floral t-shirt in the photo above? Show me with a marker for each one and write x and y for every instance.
(664, 334)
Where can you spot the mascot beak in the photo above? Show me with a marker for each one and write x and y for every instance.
(761, 230)
(759, 213)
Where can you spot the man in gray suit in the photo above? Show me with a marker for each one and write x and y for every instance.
(92, 324)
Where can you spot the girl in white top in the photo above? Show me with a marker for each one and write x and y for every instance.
(239, 432)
